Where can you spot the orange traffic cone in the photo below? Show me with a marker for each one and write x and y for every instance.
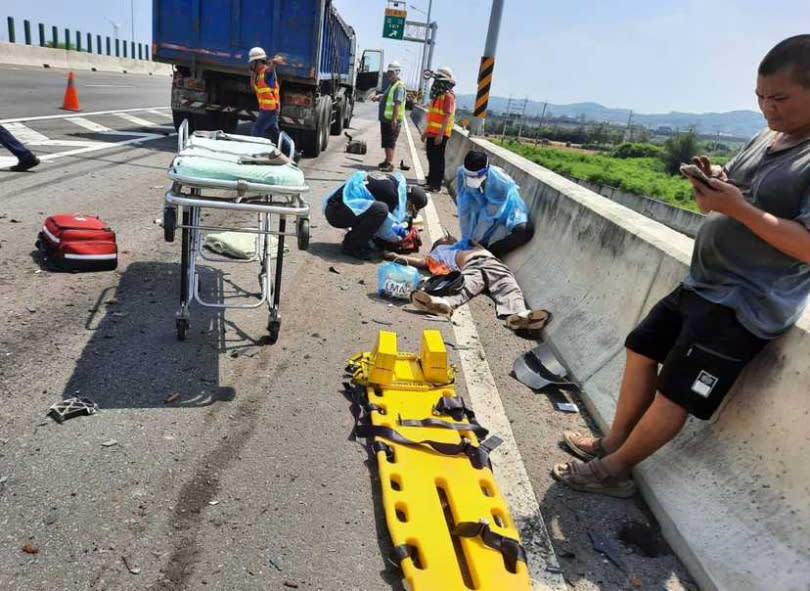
(71, 101)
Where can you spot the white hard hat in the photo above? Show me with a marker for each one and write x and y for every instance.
(257, 53)
(394, 67)
(444, 72)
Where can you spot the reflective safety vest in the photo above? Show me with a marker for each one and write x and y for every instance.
(389, 102)
(436, 115)
(267, 96)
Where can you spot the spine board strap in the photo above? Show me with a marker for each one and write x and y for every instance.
(511, 549)
(478, 455)
(473, 427)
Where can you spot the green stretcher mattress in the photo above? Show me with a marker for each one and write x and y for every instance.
(217, 156)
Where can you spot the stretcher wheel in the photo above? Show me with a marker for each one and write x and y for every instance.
(303, 234)
(182, 328)
(273, 328)
(169, 223)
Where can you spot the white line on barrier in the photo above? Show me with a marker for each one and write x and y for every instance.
(69, 115)
(486, 400)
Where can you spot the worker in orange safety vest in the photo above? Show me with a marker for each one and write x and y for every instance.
(439, 125)
(265, 83)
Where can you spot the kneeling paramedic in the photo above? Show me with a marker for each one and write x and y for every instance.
(376, 206)
(480, 272)
(491, 211)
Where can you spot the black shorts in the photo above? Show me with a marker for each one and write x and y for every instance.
(702, 348)
(389, 136)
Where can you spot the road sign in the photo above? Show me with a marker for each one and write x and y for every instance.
(394, 24)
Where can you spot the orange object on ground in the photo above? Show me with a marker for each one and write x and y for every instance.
(71, 101)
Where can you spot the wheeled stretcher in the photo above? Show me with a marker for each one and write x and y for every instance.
(242, 175)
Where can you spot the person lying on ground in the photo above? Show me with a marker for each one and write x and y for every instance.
(481, 272)
(373, 206)
(748, 283)
(491, 211)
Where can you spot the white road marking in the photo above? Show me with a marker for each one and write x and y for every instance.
(89, 125)
(108, 85)
(135, 120)
(90, 147)
(25, 134)
(160, 113)
(486, 400)
(67, 116)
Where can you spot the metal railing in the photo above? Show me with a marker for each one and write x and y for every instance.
(75, 43)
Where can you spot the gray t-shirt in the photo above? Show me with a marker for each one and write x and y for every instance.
(734, 267)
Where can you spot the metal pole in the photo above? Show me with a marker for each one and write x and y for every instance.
(27, 32)
(487, 68)
(433, 27)
(89, 42)
(11, 37)
(41, 35)
(55, 36)
(108, 45)
(422, 81)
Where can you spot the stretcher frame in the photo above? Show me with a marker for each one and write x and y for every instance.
(183, 204)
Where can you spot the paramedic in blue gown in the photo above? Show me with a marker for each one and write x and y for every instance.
(491, 212)
(373, 206)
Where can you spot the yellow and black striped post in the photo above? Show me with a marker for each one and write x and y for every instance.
(484, 84)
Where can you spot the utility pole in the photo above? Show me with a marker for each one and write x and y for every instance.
(629, 127)
(522, 117)
(506, 117)
(426, 54)
(486, 69)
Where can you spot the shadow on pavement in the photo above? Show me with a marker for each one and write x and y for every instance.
(134, 359)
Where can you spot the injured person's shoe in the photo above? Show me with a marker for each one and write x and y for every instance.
(529, 320)
(424, 302)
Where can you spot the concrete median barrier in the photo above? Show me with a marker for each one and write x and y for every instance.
(731, 494)
(28, 55)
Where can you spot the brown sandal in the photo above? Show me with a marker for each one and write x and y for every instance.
(592, 477)
(573, 439)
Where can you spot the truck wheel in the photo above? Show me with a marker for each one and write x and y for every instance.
(337, 124)
(326, 122)
(348, 112)
(311, 141)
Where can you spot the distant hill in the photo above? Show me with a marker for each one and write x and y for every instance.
(735, 123)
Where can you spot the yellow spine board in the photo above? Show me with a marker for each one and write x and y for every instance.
(426, 493)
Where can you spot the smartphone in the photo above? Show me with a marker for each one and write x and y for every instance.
(695, 172)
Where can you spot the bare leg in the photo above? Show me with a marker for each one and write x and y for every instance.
(663, 420)
(635, 397)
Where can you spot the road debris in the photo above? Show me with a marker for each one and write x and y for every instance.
(604, 545)
(71, 407)
(133, 570)
(566, 407)
(274, 562)
(383, 322)
(171, 397)
(213, 503)
(290, 584)
(643, 537)
(109, 443)
(333, 270)
(30, 549)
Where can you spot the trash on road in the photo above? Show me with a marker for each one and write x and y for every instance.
(171, 397)
(643, 537)
(30, 549)
(334, 270)
(109, 443)
(540, 367)
(383, 322)
(133, 570)
(71, 407)
(603, 544)
(566, 407)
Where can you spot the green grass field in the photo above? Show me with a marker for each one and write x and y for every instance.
(642, 176)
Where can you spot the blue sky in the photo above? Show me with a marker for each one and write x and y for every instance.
(647, 55)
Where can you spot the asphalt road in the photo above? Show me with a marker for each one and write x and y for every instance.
(248, 480)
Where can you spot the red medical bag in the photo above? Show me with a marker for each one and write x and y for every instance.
(78, 243)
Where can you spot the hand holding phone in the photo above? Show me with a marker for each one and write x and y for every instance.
(695, 172)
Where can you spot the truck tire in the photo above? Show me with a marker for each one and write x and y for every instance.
(326, 122)
(311, 138)
(348, 112)
(337, 125)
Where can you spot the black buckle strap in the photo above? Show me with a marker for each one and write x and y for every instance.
(472, 426)
(399, 553)
(453, 406)
(510, 548)
(478, 455)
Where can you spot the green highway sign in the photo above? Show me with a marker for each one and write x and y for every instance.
(394, 24)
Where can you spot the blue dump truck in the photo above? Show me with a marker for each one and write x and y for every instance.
(207, 42)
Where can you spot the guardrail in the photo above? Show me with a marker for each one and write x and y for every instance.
(72, 41)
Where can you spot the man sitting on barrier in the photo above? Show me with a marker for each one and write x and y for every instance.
(465, 272)
(377, 208)
(748, 283)
(490, 209)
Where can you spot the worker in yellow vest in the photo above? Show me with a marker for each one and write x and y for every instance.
(264, 82)
(440, 120)
(392, 114)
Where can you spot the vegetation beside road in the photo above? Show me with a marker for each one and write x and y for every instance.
(638, 168)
